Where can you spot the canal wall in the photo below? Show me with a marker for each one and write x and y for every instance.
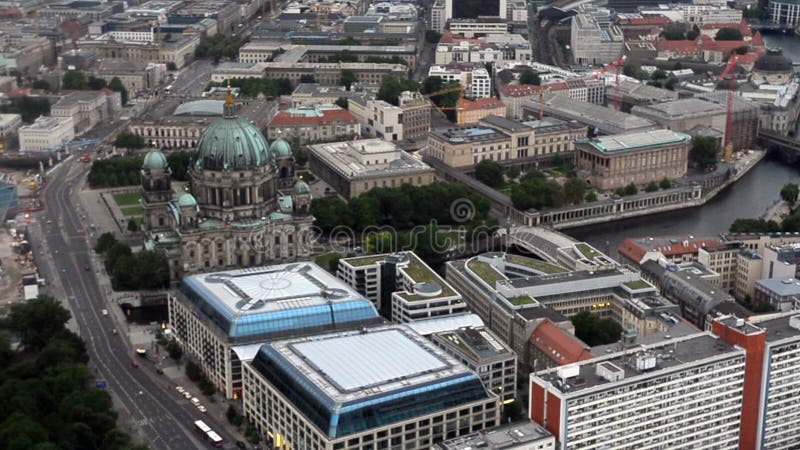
(694, 191)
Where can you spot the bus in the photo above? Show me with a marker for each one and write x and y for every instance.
(208, 433)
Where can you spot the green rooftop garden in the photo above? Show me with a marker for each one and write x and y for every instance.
(534, 264)
(359, 261)
(638, 284)
(486, 272)
(587, 251)
(521, 300)
(420, 273)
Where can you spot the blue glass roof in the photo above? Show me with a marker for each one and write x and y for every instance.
(256, 303)
(349, 382)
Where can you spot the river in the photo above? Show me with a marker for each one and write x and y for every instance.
(749, 197)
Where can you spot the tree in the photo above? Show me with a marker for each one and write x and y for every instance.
(30, 108)
(728, 34)
(129, 140)
(431, 84)
(392, 86)
(489, 173)
(104, 242)
(742, 50)
(347, 78)
(342, 102)
(116, 86)
(791, 223)
(37, 321)
(704, 151)
(307, 78)
(594, 331)
(634, 71)
(513, 172)
(651, 187)
(171, 66)
(133, 225)
(673, 34)
(432, 36)
(789, 193)
(233, 416)
(174, 349)
(631, 189)
(764, 307)
(534, 190)
(671, 82)
(75, 80)
(591, 197)
(658, 74)
(754, 226)
(693, 34)
(574, 190)
(96, 84)
(665, 183)
(179, 164)
(529, 76)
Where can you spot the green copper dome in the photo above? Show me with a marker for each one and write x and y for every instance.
(154, 160)
(301, 187)
(231, 144)
(280, 148)
(187, 200)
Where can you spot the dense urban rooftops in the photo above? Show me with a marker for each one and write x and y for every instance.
(359, 159)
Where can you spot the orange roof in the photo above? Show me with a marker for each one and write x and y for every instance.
(560, 346)
(481, 103)
(677, 46)
(19, 92)
(635, 249)
(449, 38)
(742, 26)
(328, 117)
(724, 46)
(648, 21)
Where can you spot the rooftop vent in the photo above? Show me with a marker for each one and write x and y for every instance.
(609, 371)
(644, 361)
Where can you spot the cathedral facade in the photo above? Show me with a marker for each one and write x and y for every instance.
(243, 206)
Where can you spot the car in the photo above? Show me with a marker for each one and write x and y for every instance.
(85, 158)
(180, 389)
(141, 352)
(187, 395)
(104, 311)
(201, 408)
(195, 401)
(241, 444)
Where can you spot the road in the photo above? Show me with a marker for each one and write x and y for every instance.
(147, 400)
(192, 79)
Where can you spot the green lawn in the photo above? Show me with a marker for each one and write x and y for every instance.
(132, 211)
(324, 260)
(638, 284)
(521, 300)
(127, 198)
(535, 264)
(486, 272)
(586, 251)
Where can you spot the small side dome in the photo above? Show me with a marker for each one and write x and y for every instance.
(154, 160)
(186, 200)
(280, 148)
(301, 187)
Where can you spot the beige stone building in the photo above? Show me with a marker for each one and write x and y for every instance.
(85, 108)
(612, 162)
(470, 112)
(354, 167)
(323, 73)
(180, 52)
(411, 119)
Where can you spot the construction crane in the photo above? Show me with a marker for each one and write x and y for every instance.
(614, 65)
(459, 89)
(731, 84)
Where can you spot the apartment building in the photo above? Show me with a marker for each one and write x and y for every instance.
(354, 167)
(611, 162)
(484, 354)
(46, 134)
(474, 79)
(682, 393)
(217, 317)
(401, 286)
(349, 391)
(724, 260)
(780, 261)
(748, 270)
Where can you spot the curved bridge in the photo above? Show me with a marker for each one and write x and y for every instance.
(542, 242)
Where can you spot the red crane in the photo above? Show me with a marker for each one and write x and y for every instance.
(614, 65)
(728, 148)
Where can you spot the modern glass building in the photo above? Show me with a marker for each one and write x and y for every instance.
(214, 315)
(384, 387)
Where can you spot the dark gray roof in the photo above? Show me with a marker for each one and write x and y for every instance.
(541, 312)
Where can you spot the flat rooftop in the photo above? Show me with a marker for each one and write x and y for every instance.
(645, 140)
(680, 109)
(477, 344)
(258, 301)
(780, 326)
(512, 435)
(783, 287)
(346, 159)
(347, 367)
(468, 135)
(669, 354)
(606, 119)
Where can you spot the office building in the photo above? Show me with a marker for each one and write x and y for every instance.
(46, 134)
(780, 261)
(784, 12)
(592, 43)
(216, 315)
(349, 391)
(354, 167)
(410, 119)
(328, 74)
(85, 108)
(748, 270)
(783, 294)
(401, 286)
(484, 354)
(612, 162)
(653, 396)
(513, 436)
(724, 260)
(438, 16)
(472, 9)
(179, 51)
(494, 48)
(314, 124)
(25, 52)
(478, 27)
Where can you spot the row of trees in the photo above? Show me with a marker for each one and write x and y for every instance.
(219, 46)
(132, 271)
(129, 140)
(49, 398)
(253, 87)
(29, 108)
(676, 33)
(789, 224)
(78, 81)
(122, 171)
(534, 190)
(349, 57)
(402, 208)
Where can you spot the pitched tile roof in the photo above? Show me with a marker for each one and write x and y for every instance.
(561, 347)
(328, 117)
(481, 103)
